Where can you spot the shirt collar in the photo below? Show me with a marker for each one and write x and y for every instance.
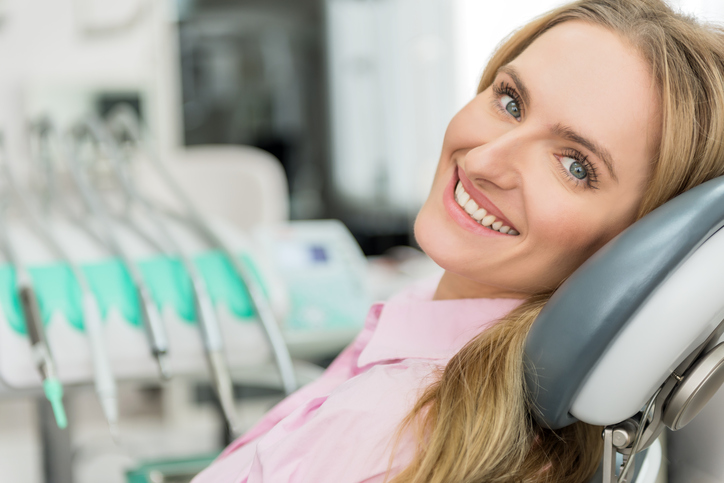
(413, 326)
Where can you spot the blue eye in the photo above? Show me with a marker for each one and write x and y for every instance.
(512, 107)
(508, 101)
(578, 170)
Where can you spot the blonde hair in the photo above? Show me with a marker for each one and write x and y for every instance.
(474, 424)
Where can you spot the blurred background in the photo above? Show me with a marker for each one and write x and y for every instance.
(352, 97)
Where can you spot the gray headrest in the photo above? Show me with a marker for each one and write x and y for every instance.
(588, 311)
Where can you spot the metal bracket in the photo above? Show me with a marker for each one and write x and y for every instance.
(629, 438)
(609, 456)
(616, 439)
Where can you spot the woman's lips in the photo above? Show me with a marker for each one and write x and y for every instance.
(460, 216)
(482, 200)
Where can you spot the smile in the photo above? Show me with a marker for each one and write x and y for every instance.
(478, 214)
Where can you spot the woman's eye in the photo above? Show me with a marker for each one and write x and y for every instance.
(574, 167)
(511, 105)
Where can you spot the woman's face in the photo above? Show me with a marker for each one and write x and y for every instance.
(558, 149)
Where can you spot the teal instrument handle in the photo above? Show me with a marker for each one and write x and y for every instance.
(44, 361)
(54, 392)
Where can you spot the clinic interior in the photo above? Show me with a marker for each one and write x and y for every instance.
(342, 104)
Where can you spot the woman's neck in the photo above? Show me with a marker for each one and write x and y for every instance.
(453, 286)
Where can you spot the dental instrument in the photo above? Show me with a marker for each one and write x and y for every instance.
(150, 316)
(205, 313)
(108, 150)
(52, 387)
(122, 121)
(104, 381)
(48, 176)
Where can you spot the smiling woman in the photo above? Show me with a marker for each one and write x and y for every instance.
(558, 147)
(586, 119)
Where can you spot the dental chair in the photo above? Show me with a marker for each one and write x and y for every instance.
(631, 341)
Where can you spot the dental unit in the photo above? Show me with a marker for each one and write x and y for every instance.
(208, 322)
(104, 381)
(150, 316)
(122, 121)
(43, 358)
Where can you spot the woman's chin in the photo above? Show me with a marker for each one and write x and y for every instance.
(439, 243)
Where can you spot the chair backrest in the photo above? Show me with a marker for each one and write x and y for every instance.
(622, 323)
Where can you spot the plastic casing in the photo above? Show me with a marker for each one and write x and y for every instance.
(618, 326)
(676, 319)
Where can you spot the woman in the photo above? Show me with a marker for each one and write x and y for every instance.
(586, 119)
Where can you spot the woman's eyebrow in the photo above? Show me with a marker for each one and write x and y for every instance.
(560, 130)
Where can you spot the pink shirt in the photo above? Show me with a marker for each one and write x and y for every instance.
(340, 428)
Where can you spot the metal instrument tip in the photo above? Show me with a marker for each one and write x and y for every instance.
(163, 367)
(115, 435)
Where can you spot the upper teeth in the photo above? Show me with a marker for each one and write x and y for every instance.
(480, 214)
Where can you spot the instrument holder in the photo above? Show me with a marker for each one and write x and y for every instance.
(684, 393)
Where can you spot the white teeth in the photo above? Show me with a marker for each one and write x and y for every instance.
(463, 198)
(479, 214)
(488, 220)
(470, 207)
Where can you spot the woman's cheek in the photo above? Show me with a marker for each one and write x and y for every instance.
(572, 235)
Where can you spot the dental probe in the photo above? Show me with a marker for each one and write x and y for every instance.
(105, 384)
(210, 331)
(123, 119)
(205, 313)
(42, 356)
(152, 323)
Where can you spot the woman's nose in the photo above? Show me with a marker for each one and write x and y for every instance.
(497, 161)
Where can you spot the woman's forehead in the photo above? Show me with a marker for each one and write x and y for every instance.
(588, 78)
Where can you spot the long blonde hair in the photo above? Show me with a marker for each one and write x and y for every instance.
(474, 424)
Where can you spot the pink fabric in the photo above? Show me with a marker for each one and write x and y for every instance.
(340, 428)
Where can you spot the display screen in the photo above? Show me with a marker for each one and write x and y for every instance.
(297, 255)
(319, 254)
